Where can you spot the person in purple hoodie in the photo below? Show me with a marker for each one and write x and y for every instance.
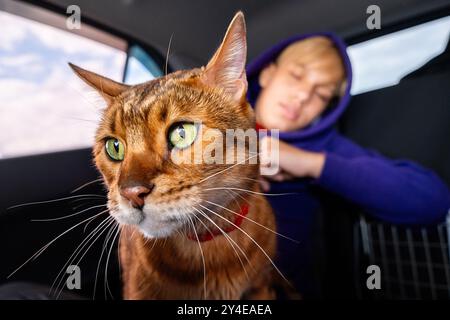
(301, 86)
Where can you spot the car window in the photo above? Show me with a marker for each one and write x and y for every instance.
(383, 61)
(44, 106)
(141, 67)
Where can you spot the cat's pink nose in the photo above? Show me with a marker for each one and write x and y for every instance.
(136, 194)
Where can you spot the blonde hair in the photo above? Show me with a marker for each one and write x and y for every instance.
(317, 52)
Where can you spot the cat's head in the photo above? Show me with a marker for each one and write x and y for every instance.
(147, 144)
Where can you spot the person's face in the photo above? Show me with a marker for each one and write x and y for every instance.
(293, 94)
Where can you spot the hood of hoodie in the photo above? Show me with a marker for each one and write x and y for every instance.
(329, 117)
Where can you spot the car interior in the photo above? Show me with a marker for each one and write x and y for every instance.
(406, 119)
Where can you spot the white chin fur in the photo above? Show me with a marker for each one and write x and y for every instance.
(150, 230)
(151, 223)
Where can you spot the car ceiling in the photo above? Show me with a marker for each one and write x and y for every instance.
(197, 26)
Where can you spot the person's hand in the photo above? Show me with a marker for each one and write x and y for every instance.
(292, 162)
(264, 180)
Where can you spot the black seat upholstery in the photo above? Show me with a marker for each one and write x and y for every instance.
(410, 120)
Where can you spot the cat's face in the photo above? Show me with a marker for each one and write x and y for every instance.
(154, 139)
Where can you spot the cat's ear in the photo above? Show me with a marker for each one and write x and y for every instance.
(107, 88)
(226, 69)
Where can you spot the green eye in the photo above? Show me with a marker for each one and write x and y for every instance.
(115, 149)
(182, 134)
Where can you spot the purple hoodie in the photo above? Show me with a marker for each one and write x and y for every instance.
(395, 191)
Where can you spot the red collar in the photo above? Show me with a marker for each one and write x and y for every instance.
(259, 127)
(216, 232)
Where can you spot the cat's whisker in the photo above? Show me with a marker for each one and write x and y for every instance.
(229, 239)
(85, 202)
(101, 87)
(238, 195)
(80, 119)
(154, 243)
(54, 200)
(86, 184)
(232, 243)
(155, 240)
(90, 221)
(248, 194)
(68, 216)
(59, 281)
(203, 256)
(99, 234)
(232, 197)
(132, 234)
(227, 168)
(110, 233)
(250, 191)
(166, 65)
(118, 249)
(100, 259)
(105, 242)
(251, 179)
(95, 197)
(75, 253)
(179, 232)
(251, 239)
(107, 264)
(97, 104)
(41, 250)
(87, 224)
(253, 221)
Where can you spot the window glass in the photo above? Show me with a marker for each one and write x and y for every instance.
(140, 66)
(44, 106)
(383, 61)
